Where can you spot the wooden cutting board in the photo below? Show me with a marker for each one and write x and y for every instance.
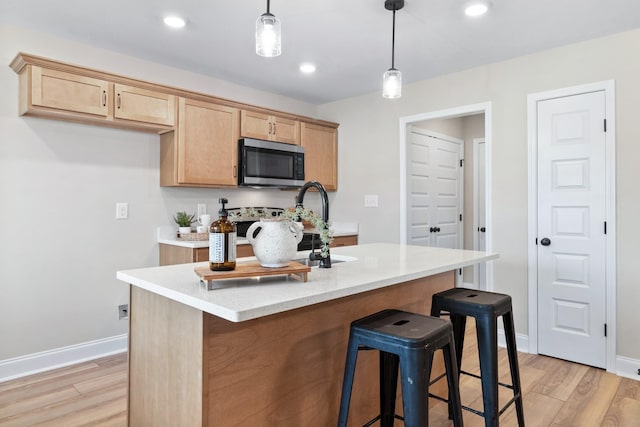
(253, 269)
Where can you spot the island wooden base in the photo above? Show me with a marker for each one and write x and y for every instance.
(189, 368)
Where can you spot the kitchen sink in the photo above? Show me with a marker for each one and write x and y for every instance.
(335, 259)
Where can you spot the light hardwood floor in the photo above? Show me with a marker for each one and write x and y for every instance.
(556, 394)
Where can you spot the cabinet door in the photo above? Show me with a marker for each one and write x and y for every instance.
(143, 105)
(268, 127)
(244, 250)
(201, 254)
(320, 154)
(255, 125)
(69, 92)
(207, 144)
(285, 130)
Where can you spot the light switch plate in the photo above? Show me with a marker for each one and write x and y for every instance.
(122, 210)
(371, 201)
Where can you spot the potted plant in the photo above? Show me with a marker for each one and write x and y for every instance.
(184, 221)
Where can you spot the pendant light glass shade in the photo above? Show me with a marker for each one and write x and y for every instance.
(392, 78)
(392, 84)
(268, 42)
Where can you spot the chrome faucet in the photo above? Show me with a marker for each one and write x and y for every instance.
(324, 262)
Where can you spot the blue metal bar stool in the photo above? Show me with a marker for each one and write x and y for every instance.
(406, 341)
(485, 307)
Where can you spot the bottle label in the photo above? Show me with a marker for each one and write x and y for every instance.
(217, 247)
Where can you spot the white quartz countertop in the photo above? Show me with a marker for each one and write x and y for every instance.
(376, 265)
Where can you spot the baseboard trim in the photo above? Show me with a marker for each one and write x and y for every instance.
(522, 341)
(59, 357)
(628, 368)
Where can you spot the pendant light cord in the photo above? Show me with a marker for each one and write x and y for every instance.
(393, 39)
(268, 2)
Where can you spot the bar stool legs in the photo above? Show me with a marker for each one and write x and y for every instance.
(485, 307)
(406, 343)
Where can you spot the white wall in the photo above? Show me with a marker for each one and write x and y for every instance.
(60, 243)
(369, 124)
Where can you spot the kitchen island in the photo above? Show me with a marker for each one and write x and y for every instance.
(269, 351)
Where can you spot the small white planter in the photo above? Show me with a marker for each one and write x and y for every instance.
(184, 230)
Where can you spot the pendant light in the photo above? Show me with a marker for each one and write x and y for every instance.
(268, 35)
(392, 78)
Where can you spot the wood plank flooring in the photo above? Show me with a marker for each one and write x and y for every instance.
(556, 394)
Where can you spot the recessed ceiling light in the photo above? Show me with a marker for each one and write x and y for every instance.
(174, 22)
(476, 7)
(307, 67)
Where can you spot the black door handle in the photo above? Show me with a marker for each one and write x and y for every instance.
(545, 242)
(482, 229)
(431, 229)
(438, 229)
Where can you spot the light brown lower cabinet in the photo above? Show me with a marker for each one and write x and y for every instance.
(171, 254)
(344, 241)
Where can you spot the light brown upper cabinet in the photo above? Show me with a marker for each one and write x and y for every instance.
(64, 91)
(70, 94)
(200, 132)
(320, 154)
(272, 128)
(142, 105)
(203, 150)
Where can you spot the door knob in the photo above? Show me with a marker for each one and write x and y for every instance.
(438, 229)
(482, 229)
(545, 242)
(432, 229)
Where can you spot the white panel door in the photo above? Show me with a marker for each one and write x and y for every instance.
(434, 191)
(571, 228)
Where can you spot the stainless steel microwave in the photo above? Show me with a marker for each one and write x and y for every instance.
(269, 164)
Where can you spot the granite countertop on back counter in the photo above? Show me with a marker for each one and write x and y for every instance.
(167, 235)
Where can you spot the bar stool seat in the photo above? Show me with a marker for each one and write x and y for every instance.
(406, 342)
(485, 307)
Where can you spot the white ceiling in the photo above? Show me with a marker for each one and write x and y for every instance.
(349, 40)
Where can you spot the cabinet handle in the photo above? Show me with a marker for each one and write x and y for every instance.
(235, 171)
(104, 98)
(274, 128)
(118, 102)
(270, 128)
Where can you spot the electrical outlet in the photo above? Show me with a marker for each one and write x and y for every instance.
(202, 209)
(123, 311)
(371, 201)
(122, 210)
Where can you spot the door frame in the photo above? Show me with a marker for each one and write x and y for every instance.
(608, 87)
(450, 113)
(476, 201)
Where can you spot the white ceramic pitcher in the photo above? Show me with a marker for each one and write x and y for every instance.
(277, 241)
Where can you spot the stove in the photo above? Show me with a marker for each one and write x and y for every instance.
(244, 217)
